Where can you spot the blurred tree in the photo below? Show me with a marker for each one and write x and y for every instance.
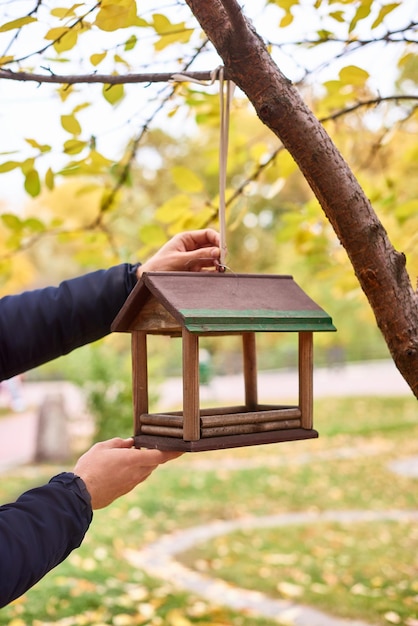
(322, 56)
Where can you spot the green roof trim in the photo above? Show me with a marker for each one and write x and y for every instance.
(205, 320)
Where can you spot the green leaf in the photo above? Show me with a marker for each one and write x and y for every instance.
(8, 166)
(95, 59)
(153, 235)
(11, 221)
(18, 23)
(131, 43)
(406, 210)
(49, 179)
(70, 124)
(34, 225)
(186, 180)
(113, 93)
(32, 183)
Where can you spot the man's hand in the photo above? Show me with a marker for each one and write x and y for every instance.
(112, 468)
(192, 251)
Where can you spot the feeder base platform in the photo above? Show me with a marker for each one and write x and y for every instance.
(223, 442)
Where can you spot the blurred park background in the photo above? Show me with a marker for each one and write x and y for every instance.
(93, 176)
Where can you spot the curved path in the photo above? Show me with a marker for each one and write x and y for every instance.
(158, 560)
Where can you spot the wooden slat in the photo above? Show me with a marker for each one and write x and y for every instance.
(162, 431)
(139, 378)
(162, 419)
(250, 370)
(306, 378)
(241, 429)
(209, 421)
(191, 415)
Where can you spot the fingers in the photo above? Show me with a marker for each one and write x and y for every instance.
(195, 239)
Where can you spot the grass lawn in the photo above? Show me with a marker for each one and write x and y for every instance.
(362, 570)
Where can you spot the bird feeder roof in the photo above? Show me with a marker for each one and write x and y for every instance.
(212, 302)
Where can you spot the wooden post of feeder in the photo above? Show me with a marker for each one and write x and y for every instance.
(191, 411)
(306, 378)
(250, 370)
(139, 377)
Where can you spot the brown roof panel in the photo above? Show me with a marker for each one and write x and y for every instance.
(215, 302)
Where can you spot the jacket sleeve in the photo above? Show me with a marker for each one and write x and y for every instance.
(39, 530)
(38, 326)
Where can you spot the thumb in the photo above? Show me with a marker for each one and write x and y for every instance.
(118, 442)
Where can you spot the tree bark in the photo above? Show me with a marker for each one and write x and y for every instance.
(379, 268)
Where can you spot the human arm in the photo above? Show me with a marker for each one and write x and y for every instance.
(40, 529)
(114, 467)
(41, 325)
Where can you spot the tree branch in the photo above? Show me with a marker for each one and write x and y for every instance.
(107, 79)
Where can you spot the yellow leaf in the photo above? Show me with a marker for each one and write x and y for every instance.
(113, 93)
(162, 24)
(55, 33)
(169, 38)
(65, 91)
(116, 14)
(18, 23)
(385, 10)
(74, 146)
(362, 12)
(6, 59)
(173, 208)
(95, 59)
(66, 42)
(38, 146)
(186, 180)
(62, 13)
(64, 38)
(286, 20)
(353, 75)
(70, 124)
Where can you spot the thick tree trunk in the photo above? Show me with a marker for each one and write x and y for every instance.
(379, 268)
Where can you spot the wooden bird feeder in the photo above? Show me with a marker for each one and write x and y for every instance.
(192, 305)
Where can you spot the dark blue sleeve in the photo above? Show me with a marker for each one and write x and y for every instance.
(39, 530)
(38, 326)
